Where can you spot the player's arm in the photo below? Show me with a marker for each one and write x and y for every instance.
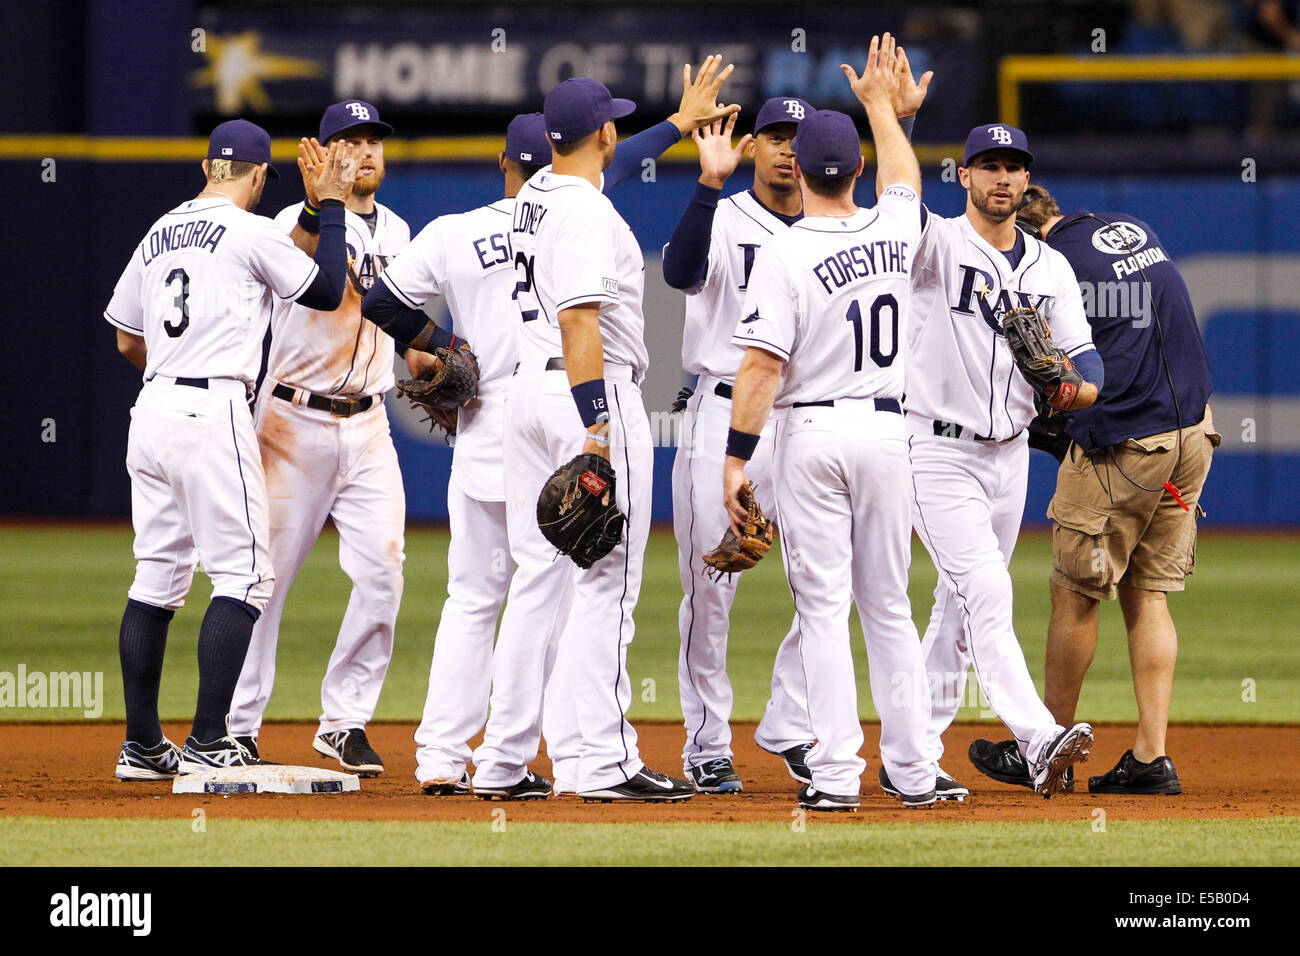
(751, 404)
(699, 107)
(132, 348)
(876, 89)
(584, 362)
(306, 231)
(333, 185)
(686, 257)
(908, 97)
(395, 303)
(1072, 334)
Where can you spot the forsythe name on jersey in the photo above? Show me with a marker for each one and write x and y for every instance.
(860, 262)
(197, 232)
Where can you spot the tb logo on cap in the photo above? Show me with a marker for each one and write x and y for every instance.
(1000, 135)
(795, 109)
(359, 111)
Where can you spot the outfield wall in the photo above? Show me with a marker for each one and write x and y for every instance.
(1235, 241)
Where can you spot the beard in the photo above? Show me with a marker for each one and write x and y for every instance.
(983, 202)
(368, 185)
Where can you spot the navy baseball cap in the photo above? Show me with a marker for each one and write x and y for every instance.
(244, 142)
(526, 140)
(781, 109)
(996, 136)
(827, 144)
(580, 106)
(348, 114)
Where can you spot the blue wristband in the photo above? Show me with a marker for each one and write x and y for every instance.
(741, 444)
(590, 399)
(907, 122)
(309, 219)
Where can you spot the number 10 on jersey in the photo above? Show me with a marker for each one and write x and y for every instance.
(884, 304)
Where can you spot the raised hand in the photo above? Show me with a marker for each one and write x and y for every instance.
(337, 173)
(311, 158)
(879, 80)
(699, 105)
(718, 158)
(909, 94)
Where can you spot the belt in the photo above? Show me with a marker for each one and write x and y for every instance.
(882, 405)
(552, 365)
(722, 390)
(193, 382)
(953, 430)
(342, 407)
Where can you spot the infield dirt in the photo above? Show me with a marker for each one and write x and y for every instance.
(66, 770)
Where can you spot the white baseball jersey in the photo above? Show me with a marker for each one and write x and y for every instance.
(571, 246)
(201, 286)
(339, 353)
(466, 258)
(831, 297)
(959, 367)
(741, 227)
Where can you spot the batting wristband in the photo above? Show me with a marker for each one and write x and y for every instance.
(309, 219)
(590, 399)
(741, 444)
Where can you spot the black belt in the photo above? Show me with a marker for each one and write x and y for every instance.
(953, 430)
(342, 407)
(882, 405)
(552, 365)
(722, 390)
(193, 382)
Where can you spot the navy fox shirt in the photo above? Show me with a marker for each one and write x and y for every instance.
(1109, 262)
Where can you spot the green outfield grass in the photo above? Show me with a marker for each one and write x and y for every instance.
(62, 591)
(255, 843)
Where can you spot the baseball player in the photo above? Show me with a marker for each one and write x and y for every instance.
(710, 257)
(466, 258)
(190, 310)
(824, 317)
(1152, 426)
(967, 410)
(327, 452)
(579, 288)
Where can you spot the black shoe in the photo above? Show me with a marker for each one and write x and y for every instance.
(811, 799)
(1004, 763)
(447, 788)
(796, 761)
(645, 785)
(250, 744)
(1130, 776)
(945, 788)
(531, 787)
(351, 749)
(217, 755)
(716, 776)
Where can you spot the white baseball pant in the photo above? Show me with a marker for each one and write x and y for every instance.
(842, 489)
(320, 465)
(968, 499)
(198, 493)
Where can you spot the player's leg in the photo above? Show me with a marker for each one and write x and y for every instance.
(300, 457)
(538, 590)
(460, 677)
(817, 518)
(604, 599)
(699, 520)
(947, 663)
(370, 514)
(226, 502)
(954, 482)
(876, 450)
(164, 553)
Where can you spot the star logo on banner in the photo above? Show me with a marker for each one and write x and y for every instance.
(237, 66)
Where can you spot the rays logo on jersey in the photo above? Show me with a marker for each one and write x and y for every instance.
(370, 268)
(1119, 238)
(977, 292)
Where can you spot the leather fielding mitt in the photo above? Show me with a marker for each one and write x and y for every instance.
(576, 510)
(1046, 368)
(741, 553)
(1047, 430)
(443, 389)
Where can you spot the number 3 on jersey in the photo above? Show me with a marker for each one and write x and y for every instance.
(182, 303)
(882, 304)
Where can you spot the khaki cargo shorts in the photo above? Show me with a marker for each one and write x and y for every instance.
(1106, 530)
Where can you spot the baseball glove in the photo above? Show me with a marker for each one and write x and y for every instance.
(576, 510)
(741, 553)
(443, 389)
(1047, 431)
(1046, 368)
